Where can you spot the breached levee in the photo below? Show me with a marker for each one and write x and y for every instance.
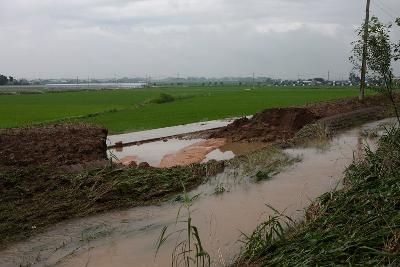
(269, 125)
(281, 124)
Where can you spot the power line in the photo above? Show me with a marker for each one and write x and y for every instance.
(389, 9)
(384, 8)
(384, 11)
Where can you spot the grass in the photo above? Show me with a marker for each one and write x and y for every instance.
(262, 164)
(133, 110)
(356, 226)
(188, 250)
(33, 198)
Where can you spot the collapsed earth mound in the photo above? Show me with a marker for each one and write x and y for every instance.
(267, 125)
(283, 123)
(52, 145)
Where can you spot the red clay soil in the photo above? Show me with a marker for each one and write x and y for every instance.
(52, 145)
(191, 154)
(283, 123)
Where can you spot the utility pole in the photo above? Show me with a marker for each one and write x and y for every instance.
(365, 51)
(329, 74)
(253, 80)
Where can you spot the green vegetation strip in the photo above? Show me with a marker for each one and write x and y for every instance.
(33, 198)
(142, 109)
(356, 226)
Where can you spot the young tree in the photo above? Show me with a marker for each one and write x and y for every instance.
(397, 46)
(381, 52)
(3, 80)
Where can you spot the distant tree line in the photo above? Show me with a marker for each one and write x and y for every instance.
(4, 80)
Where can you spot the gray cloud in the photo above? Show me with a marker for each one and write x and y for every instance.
(100, 38)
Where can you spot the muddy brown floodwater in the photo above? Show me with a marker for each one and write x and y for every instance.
(128, 237)
(178, 152)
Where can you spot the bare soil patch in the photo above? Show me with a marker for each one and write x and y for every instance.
(283, 123)
(52, 145)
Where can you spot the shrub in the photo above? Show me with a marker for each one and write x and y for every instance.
(163, 98)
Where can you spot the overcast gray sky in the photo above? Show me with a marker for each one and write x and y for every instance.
(212, 38)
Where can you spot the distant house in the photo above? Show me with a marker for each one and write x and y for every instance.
(308, 82)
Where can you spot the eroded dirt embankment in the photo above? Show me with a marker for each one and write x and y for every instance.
(52, 145)
(283, 123)
(268, 126)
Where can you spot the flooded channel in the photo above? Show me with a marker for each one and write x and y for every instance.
(128, 237)
(175, 152)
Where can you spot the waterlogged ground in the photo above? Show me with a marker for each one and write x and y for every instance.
(128, 237)
(182, 152)
(163, 148)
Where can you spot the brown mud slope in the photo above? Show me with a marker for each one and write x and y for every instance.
(52, 145)
(283, 123)
(266, 126)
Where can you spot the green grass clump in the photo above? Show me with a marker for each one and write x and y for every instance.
(163, 98)
(356, 226)
(262, 164)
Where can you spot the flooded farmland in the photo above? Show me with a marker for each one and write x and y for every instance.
(180, 152)
(128, 237)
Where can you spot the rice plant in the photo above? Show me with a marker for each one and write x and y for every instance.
(188, 249)
(269, 159)
(317, 134)
(265, 235)
(219, 189)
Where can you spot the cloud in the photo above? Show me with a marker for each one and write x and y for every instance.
(50, 38)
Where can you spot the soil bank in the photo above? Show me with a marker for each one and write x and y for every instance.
(283, 123)
(52, 145)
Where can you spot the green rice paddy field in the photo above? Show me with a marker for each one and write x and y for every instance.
(132, 110)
